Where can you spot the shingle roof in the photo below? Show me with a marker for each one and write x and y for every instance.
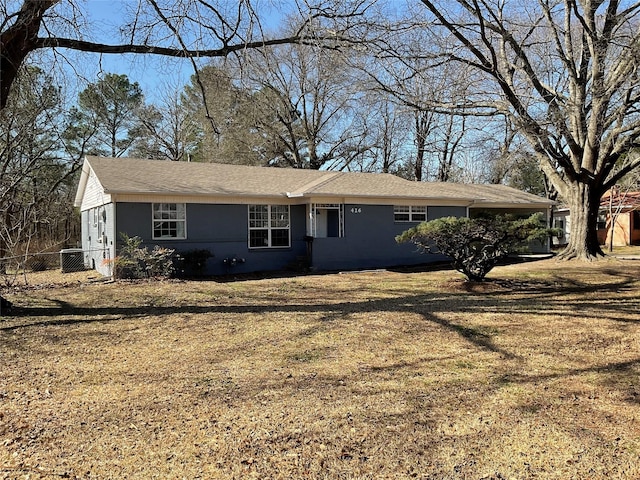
(138, 176)
(621, 199)
(131, 175)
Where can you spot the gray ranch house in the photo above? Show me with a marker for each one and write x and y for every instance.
(262, 219)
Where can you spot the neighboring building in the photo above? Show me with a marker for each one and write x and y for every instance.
(619, 216)
(259, 219)
(623, 207)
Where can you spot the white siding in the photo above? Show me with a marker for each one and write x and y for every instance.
(98, 237)
(94, 194)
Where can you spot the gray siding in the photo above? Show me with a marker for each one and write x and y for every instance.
(369, 240)
(221, 229)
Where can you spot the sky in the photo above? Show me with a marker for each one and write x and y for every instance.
(155, 74)
(152, 72)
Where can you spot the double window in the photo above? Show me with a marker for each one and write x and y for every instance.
(405, 213)
(269, 226)
(169, 221)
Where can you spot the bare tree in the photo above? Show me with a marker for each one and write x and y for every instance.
(504, 150)
(567, 75)
(310, 108)
(189, 29)
(35, 179)
(507, 158)
(167, 131)
(388, 130)
(427, 88)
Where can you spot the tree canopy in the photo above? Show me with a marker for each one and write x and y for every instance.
(566, 74)
(191, 29)
(106, 119)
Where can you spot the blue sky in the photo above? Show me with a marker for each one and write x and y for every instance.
(154, 73)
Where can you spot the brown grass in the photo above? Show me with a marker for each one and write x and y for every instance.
(628, 250)
(350, 376)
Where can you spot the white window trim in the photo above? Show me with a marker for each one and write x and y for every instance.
(154, 220)
(413, 211)
(327, 206)
(269, 227)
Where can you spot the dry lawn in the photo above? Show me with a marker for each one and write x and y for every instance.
(372, 375)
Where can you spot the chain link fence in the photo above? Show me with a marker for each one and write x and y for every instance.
(63, 261)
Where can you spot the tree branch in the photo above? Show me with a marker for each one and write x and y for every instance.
(84, 46)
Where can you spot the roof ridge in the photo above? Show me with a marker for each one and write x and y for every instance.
(320, 181)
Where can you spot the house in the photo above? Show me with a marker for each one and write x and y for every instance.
(622, 209)
(260, 219)
(619, 218)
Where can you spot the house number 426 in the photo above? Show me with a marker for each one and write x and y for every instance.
(356, 210)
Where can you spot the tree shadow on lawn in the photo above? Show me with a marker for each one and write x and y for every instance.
(495, 297)
(611, 367)
(499, 298)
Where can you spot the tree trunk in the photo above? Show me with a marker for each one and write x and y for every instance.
(18, 41)
(422, 130)
(584, 202)
(419, 166)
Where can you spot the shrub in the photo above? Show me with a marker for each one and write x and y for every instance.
(195, 261)
(124, 267)
(135, 261)
(159, 262)
(37, 263)
(475, 245)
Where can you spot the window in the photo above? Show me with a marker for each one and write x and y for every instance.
(636, 219)
(269, 226)
(169, 220)
(601, 222)
(403, 213)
